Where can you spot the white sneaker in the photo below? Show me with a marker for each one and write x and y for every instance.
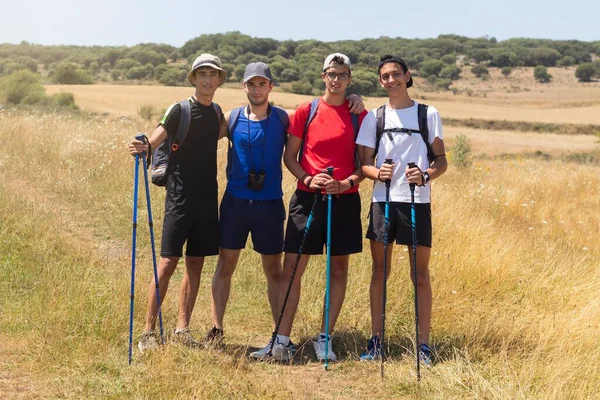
(281, 352)
(263, 353)
(320, 344)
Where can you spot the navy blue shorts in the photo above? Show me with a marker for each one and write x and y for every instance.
(400, 227)
(346, 227)
(262, 218)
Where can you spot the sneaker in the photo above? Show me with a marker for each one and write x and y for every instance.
(185, 338)
(281, 352)
(263, 353)
(214, 338)
(373, 350)
(148, 341)
(320, 344)
(426, 354)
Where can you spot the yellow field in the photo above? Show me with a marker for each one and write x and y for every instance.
(514, 268)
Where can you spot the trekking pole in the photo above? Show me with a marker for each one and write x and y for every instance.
(328, 274)
(413, 225)
(386, 228)
(311, 216)
(133, 242)
(144, 140)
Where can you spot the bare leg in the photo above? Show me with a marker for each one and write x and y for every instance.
(221, 284)
(189, 290)
(272, 267)
(376, 289)
(165, 268)
(423, 290)
(292, 305)
(337, 290)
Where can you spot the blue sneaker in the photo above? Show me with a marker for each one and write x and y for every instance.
(373, 350)
(426, 354)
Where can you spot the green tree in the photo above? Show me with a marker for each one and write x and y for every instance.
(506, 71)
(22, 86)
(480, 71)
(431, 67)
(70, 74)
(451, 72)
(585, 72)
(540, 73)
(566, 61)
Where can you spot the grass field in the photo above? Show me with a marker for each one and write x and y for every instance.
(514, 272)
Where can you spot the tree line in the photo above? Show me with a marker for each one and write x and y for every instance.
(296, 64)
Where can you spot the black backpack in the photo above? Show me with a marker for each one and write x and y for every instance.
(314, 105)
(423, 129)
(162, 160)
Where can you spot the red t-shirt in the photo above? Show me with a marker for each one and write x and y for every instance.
(329, 141)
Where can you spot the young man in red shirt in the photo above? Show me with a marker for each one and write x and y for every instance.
(329, 141)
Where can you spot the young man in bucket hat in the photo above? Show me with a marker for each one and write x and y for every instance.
(329, 141)
(402, 141)
(252, 202)
(191, 213)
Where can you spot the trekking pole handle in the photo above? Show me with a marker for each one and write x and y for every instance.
(329, 171)
(412, 165)
(142, 138)
(389, 181)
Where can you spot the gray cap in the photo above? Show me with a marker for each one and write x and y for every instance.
(207, 60)
(257, 69)
(344, 58)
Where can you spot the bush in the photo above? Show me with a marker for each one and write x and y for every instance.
(431, 67)
(442, 84)
(461, 152)
(540, 73)
(451, 72)
(566, 61)
(142, 72)
(449, 59)
(146, 111)
(585, 72)
(480, 71)
(301, 87)
(289, 75)
(64, 100)
(506, 71)
(70, 74)
(22, 87)
(125, 64)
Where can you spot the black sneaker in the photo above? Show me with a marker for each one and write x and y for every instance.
(214, 338)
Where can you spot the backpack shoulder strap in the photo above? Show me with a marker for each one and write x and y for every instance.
(218, 110)
(234, 115)
(283, 117)
(311, 115)
(185, 119)
(422, 116)
(379, 126)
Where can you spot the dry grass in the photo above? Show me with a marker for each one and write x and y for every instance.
(516, 310)
(517, 98)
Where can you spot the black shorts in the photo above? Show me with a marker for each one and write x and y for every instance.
(194, 219)
(263, 218)
(346, 227)
(400, 227)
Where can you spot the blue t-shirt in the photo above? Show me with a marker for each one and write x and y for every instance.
(262, 148)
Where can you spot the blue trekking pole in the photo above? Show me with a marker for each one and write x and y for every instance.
(144, 140)
(328, 273)
(133, 243)
(413, 225)
(386, 228)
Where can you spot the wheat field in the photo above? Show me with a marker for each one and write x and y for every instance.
(514, 272)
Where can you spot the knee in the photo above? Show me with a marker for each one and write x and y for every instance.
(339, 272)
(194, 264)
(167, 266)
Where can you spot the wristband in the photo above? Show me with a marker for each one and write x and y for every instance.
(351, 182)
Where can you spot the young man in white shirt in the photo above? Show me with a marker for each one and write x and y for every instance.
(401, 143)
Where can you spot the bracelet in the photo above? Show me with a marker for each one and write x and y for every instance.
(309, 181)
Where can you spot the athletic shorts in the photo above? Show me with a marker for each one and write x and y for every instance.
(262, 218)
(346, 226)
(400, 227)
(193, 219)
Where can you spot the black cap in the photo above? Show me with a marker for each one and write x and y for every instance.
(388, 58)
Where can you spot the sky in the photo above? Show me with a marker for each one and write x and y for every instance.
(129, 22)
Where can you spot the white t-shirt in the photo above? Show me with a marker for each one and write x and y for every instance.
(404, 148)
